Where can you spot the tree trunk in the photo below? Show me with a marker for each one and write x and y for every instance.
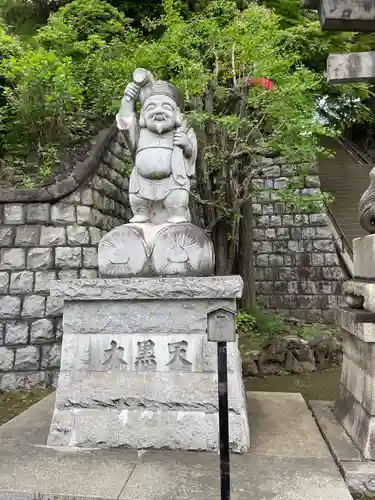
(246, 256)
(220, 240)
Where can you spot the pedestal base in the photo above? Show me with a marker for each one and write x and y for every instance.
(359, 474)
(137, 370)
(355, 405)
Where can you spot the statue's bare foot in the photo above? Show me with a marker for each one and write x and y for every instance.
(140, 219)
(176, 219)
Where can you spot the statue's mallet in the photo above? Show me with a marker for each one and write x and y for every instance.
(141, 77)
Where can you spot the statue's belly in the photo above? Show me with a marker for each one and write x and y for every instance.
(154, 163)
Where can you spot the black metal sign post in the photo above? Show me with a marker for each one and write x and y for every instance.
(222, 369)
(222, 329)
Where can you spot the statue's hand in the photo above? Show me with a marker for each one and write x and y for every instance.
(181, 139)
(131, 91)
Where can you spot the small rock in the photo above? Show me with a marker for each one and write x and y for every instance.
(249, 367)
(292, 364)
(308, 366)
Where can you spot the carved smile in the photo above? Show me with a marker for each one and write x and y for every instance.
(160, 117)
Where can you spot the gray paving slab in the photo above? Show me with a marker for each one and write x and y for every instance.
(340, 444)
(30, 427)
(288, 461)
(282, 425)
(187, 476)
(41, 470)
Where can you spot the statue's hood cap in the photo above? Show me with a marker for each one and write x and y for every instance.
(160, 88)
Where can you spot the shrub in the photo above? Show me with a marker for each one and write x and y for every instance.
(43, 100)
(84, 18)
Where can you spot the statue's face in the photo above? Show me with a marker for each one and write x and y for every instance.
(160, 113)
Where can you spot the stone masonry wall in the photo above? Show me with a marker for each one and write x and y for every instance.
(52, 233)
(44, 241)
(296, 265)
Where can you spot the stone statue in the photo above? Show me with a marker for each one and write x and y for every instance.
(163, 147)
(159, 240)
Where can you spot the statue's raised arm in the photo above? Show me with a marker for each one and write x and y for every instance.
(163, 147)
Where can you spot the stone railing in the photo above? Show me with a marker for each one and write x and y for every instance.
(47, 234)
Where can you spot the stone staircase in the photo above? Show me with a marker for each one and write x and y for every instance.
(346, 176)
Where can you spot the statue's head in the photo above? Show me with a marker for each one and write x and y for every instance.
(160, 107)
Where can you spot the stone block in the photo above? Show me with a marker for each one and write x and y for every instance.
(364, 257)
(90, 257)
(68, 257)
(17, 332)
(38, 212)
(71, 274)
(27, 358)
(52, 236)
(194, 430)
(43, 280)
(54, 306)
(78, 235)
(95, 235)
(163, 316)
(6, 359)
(359, 425)
(34, 306)
(210, 288)
(27, 236)
(21, 381)
(39, 258)
(63, 212)
(88, 274)
(87, 197)
(353, 67)
(10, 307)
(89, 352)
(21, 282)
(59, 329)
(4, 282)
(41, 331)
(50, 357)
(188, 392)
(85, 215)
(12, 258)
(14, 213)
(6, 236)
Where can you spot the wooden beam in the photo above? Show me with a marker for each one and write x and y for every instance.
(356, 67)
(344, 15)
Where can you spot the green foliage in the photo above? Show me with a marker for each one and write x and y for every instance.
(9, 45)
(44, 101)
(83, 19)
(25, 16)
(261, 322)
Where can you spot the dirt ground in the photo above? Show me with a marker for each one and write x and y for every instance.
(14, 403)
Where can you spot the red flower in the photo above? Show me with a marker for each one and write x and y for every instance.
(263, 82)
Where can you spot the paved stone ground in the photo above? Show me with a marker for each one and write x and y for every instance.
(288, 461)
(359, 473)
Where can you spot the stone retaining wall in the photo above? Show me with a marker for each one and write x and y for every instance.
(41, 241)
(297, 268)
(53, 233)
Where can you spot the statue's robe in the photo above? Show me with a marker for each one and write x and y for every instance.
(159, 166)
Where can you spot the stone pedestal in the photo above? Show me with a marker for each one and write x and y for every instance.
(137, 370)
(355, 406)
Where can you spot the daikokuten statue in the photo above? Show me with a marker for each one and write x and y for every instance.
(163, 147)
